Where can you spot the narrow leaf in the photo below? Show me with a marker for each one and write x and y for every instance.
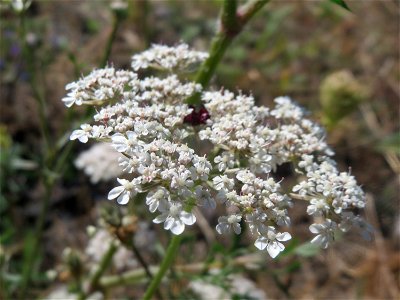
(341, 3)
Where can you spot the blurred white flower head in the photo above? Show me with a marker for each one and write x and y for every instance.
(100, 163)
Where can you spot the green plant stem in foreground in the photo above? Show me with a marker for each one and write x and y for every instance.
(165, 264)
(146, 268)
(232, 23)
(104, 263)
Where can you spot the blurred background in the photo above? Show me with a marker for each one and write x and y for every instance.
(342, 66)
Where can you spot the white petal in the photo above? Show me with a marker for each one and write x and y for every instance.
(311, 209)
(315, 228)
(153, 206)
(236, 228)
(119, 142)
(123, 198)
(68, 101)
(115, 192)
(285, 236)
(122, 181)
(274, 249)
(261, 243)
(71, 85)
(76, 134)
(177, 227)
(296, 188)
(131, 135)
(161, 218)
(320, 240)
(188, 218)
(222, 228)
(169, 223)
(163, 205)
(83, 139)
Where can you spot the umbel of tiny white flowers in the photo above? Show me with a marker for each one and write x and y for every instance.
(146, 119)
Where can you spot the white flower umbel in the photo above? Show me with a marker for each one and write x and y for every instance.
(100, 163)
(180, 157)
(175, 218)
(164, 57)
(332, 194)
(98, 87)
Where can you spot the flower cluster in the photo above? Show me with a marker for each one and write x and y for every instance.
(99, 86)
(98, 163)
(168, 58)
(332, 196)
(160, 137)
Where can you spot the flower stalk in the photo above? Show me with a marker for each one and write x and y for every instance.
(105, 262)
(233, 21)
(165, 265)
(110, 41)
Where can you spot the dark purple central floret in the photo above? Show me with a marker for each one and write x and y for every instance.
(197, 116)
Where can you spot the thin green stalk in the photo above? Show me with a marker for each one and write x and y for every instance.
(142, 261)
(228, 18)
(104, 263)
(110, 41)
(129, 277)
(145, 267)
(165, 264)
(218, 47)
(232, 23)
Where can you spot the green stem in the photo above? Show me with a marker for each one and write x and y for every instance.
(110, 41)
(105, 262)
(228, 18)
(142, 261)
(232, 23)
(145, 267)
(165, 264)
(218, 47)
(129, 277)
